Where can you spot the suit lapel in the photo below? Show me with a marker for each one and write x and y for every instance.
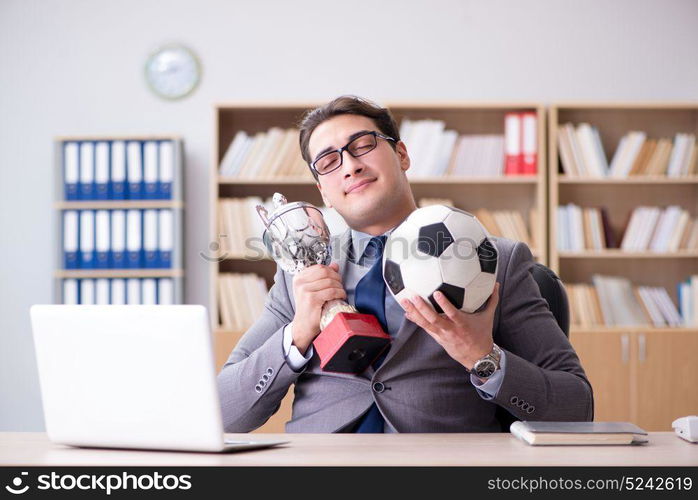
(340, 254)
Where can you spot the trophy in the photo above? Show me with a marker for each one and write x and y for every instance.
(297, 237)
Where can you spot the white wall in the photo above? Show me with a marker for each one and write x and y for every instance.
(76, 68)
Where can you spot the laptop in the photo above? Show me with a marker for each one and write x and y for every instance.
(138, 377)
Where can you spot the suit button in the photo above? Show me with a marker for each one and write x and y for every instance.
(514, 400)
(531, 409)
(378, 387)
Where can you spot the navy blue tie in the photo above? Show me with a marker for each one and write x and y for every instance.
(369, 298)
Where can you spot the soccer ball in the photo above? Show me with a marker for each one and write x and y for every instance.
(440, 248)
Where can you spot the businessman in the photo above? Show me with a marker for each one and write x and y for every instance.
(449, 372)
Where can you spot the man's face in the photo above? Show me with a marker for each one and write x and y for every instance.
(366, 188)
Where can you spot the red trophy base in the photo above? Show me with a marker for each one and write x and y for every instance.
(350, 343)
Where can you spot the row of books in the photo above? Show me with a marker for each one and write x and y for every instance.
(582, 154)
(661, 230)
(436, 151)
(505, 223)
(614, 301)
(118, 239)
(241, 299)
(240, 228)
(687, 292)
(118, 170)
(264, 155)
(585, 228)
(118, 291)
(649, 229)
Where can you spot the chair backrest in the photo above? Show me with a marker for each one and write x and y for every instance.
(553, 291)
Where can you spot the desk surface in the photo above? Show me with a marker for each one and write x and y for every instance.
(663, 449)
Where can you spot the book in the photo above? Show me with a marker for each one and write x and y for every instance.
(578, 433)
(513, 160)
(529, 143)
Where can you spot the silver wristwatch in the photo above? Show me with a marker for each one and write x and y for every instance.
(488, 364)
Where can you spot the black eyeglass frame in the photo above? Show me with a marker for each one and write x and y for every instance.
(346, 148)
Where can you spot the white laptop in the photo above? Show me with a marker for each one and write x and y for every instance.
(130, 377)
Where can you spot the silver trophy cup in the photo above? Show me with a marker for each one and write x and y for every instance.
(297, 237)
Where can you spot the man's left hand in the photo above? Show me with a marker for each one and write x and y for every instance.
(466, 337)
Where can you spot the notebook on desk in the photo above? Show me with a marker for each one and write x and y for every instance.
(578, 433)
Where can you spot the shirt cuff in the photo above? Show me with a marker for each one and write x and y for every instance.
(294, 358)
(489, 388)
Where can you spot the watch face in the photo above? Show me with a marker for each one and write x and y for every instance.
(484, 368)
(172, 72)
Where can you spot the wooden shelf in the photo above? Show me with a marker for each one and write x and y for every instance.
(120, 273)
(621, 362)
(660, 180)
(116, 204)
(527, 180)
(175, 205)
(614, 253)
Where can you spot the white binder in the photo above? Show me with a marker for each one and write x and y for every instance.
(149, 292)
(70, 291)
(118, 292)
(87, 238)
(166, 291)
(133, 291)
(87, 292)
(102, 292)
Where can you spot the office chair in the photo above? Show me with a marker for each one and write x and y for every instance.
(553, 291)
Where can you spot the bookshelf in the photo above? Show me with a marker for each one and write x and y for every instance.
(172, 201)
(515, 193)
(643, 374)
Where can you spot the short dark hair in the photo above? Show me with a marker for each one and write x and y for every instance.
(346, 105)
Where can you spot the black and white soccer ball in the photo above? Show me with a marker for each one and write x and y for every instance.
(440, 248)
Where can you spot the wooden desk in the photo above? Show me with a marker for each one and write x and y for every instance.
(664, 449)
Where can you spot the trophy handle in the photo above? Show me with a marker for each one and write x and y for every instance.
(263, 214)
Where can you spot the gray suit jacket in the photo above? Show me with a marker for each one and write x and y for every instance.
(423, 388)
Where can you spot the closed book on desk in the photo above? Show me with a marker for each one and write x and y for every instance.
(578, 433)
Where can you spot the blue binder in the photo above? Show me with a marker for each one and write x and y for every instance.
(118, 187)
(165, 237)
(134, 238)
(117, 251)
(102, 170)
(134, 169)
(102, 243)
(71, 242)
(87, 171)
(151, 254)
(87, 239)
(166, 165)
(71, 170)
(150, 170)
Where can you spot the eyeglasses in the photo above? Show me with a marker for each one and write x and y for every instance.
(359, 146)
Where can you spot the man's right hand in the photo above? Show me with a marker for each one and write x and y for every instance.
(312, 287)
